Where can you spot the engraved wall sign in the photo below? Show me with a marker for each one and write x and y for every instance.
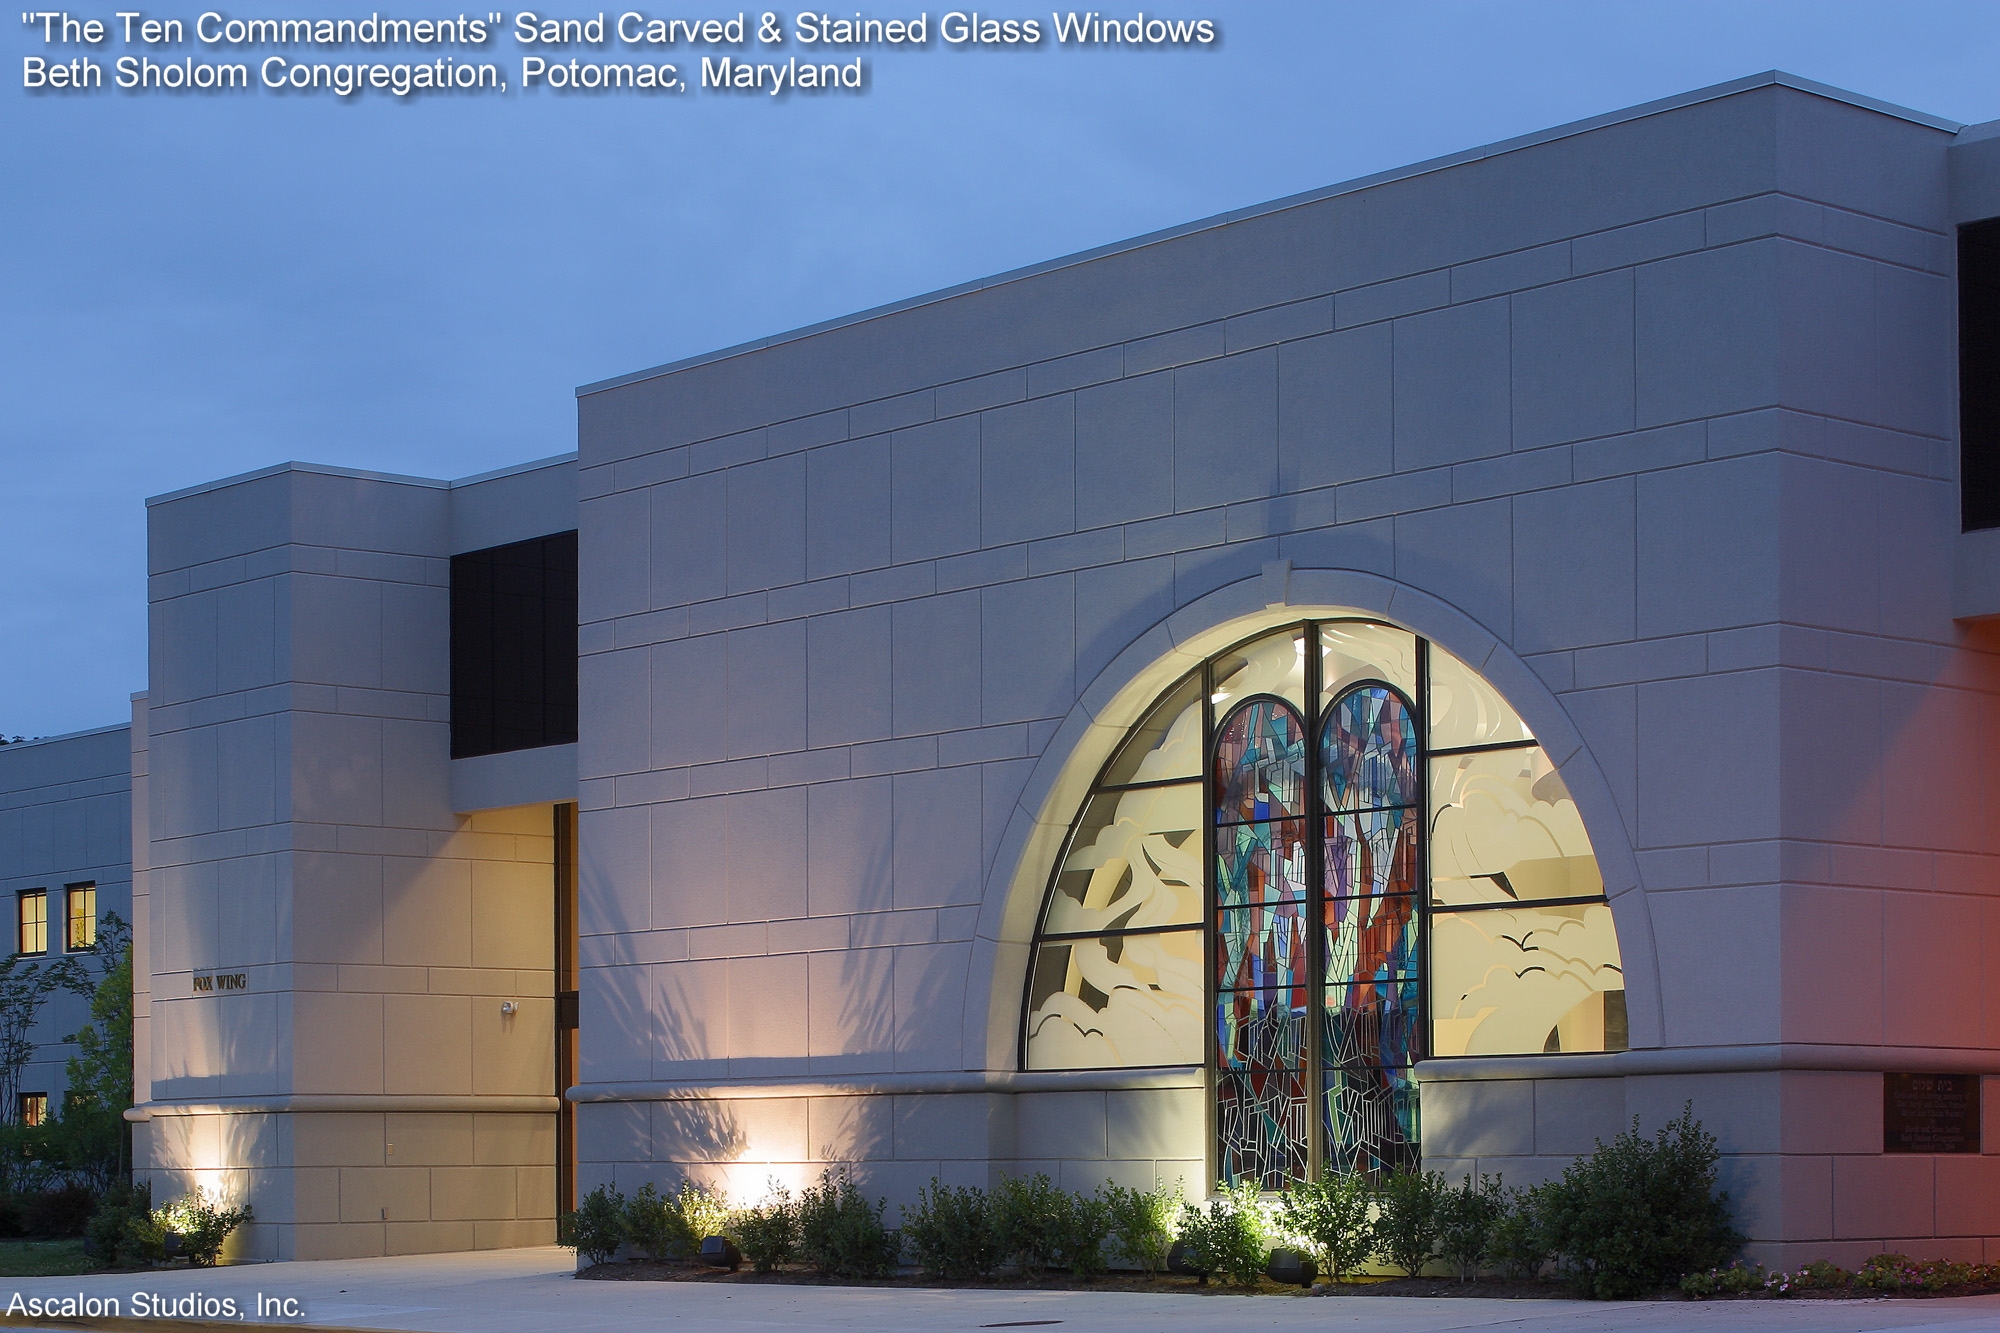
(1930, 1113)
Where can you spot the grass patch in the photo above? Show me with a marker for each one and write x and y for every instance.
(44, 1258)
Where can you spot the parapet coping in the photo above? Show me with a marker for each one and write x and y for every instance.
(1770, 78)
(1445, 1069)
(360, 474)
(313, 1103)
(885, 1085)
(12, 746)
(1751, 1059)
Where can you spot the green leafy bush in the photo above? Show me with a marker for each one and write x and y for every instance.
(1406, 1219)
(1467, 1214)
(1638, 1214)
(1519, 1246)
(1899, 1272)
(650, 1226)
(1819, 1275)
(1227, 1235)
(1143, 1222)
(1083, 1224)
(1028, 1221)
(841, 1232)
(768, 1232)
(951, 1232)
(694, 1213)
(1331, 1218)
(122, 1230)
(596, 1228)
(1731, 1281)
(203, 1223)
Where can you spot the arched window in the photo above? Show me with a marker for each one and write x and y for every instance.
(1330, 852)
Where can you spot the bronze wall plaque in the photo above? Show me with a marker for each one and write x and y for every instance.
(1930, 1113)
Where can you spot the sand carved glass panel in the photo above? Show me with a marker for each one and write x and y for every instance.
(1341, 844)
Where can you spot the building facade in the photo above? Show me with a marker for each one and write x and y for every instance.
(66, 845)
(1426, 671)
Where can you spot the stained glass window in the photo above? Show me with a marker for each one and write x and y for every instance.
(1342, 845)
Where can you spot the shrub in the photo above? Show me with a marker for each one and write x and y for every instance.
(951, 1232)
(1730, 1281)
(1330, 1217)
(1083, 1224)
(1519, 1245)
(1819, 1275)
(694, 1213)
(1143, 1222)
(1226, 1235)
(1899, 1272)
(1466, 1214)
(1406, 1219)
(202, 1223)
(1028, 1221)
(768, 1232)
(122, 1230)
(651, 1226)
(597, 1228)
(841, 1232)
(1639, 1214)
(58, 1211)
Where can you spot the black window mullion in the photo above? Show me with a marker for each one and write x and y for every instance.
(1421, 1043)
(1516, 904)
(1112, 789)
(1059, 937)
(1212, 1072)
(1316, 712)
(1489, 747)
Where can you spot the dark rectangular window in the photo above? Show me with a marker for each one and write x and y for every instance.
(513, 646)
(1979, 374)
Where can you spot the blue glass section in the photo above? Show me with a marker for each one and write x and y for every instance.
(1368, 751)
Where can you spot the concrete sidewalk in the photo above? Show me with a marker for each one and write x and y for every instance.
(532, 1291)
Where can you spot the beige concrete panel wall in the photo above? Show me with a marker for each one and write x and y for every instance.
(332, 1185)
(896, 1144)
(140, 836)
(1802, 1155)
(302, 834)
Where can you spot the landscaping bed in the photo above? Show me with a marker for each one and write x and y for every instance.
(1880, 1281)
(689, 1270)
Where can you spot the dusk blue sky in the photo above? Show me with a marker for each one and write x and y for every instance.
(198, 286)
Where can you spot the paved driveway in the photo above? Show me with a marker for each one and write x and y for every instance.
(531, 1291)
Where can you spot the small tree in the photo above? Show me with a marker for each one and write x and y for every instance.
(93, 1138)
